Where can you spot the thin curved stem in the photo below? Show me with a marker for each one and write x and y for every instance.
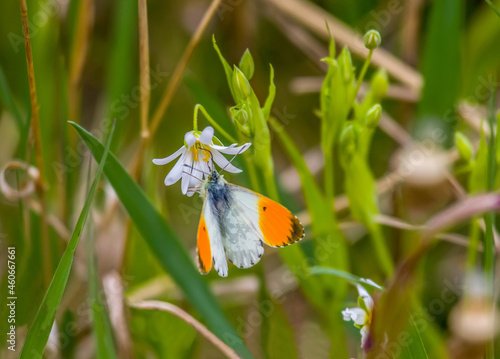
(212, 122)
(185, 316)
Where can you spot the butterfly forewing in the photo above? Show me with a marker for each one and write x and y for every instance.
(240, 236)
(276, 225)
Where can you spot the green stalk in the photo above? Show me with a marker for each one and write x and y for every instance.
(250, 167)
(363, 72)
(381, 250)
(489, 218)
(329, 176)
(212, 122)
(474, 240)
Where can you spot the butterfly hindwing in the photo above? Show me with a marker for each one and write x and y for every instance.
(240, 236)
(209, 243)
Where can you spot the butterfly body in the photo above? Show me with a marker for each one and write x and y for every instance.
(235, 222)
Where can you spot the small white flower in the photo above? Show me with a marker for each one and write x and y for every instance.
(361, 317)
(195, 162)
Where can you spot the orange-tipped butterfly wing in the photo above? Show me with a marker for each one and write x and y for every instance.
(271, 222)
(237, 225)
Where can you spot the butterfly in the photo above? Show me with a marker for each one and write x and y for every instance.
(235, 223)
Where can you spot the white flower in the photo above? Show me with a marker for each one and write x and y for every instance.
(361, 317)
(196, 159)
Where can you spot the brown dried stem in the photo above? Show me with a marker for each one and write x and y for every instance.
(200, 328)
(144, 80)
(36, 137)
(314, 17)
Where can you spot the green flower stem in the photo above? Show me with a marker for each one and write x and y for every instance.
(212, 122)
(250, 168)
(381, 250)
(363, 72)
(262, 147)
(329, 177)
(489, 218)
(474, 240)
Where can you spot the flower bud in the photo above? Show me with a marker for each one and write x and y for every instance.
(348, 141)
(240, 117)
(345, 64)
(246, 64)
(464, 147)
(373, 116)
(241, 86)
(379, 84)
(372, 39)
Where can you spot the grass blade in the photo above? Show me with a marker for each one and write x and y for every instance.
(415, 347)
(493, 7)
(441, 64)
(346, 275)
(164, 243)
(40, 330)
(101, 326)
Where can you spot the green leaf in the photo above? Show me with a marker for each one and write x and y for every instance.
(280, 337)
(266, 110)
(41, 327)
(479, 173)
(227, 69)
(415, 348)
(6, 98)
(441, 65)
(316, 270)
(495, 9)
(164, 243)
(101, 326)
(150, 328)
(323, 222)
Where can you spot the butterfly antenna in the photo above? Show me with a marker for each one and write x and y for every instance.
(195, 169)
(192, 175)
(231, 160)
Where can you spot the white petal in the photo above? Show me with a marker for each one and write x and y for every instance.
(346, 314)
(186, 172)
(164, 161)
(357, 315)
(232, 150)
(189, 138)
(370, 282)
(366, 297)
(206, 135)
(196, 175)
(223, 162)
(176, 172)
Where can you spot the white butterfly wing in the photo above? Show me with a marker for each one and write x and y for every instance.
(241, 236)
(210, 246)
